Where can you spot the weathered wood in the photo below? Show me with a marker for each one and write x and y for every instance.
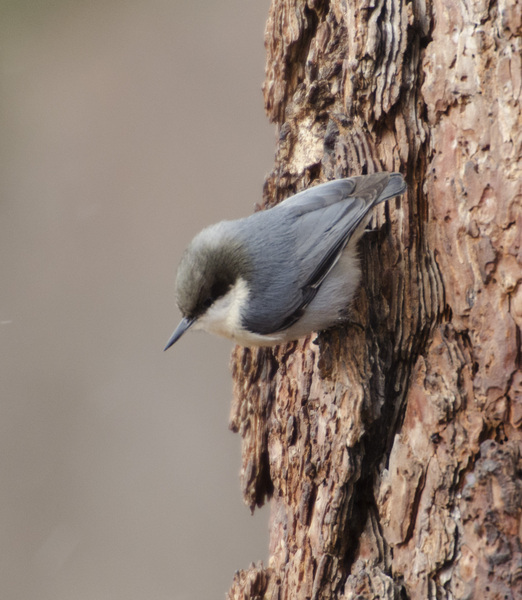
(391, 448)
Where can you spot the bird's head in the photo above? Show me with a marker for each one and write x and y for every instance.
(212, 266)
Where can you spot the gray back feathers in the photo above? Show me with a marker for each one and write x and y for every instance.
(305, 236)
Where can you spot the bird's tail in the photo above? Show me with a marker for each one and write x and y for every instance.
(377, 187)
(395, 187)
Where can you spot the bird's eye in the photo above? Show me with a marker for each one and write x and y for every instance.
(218, 289)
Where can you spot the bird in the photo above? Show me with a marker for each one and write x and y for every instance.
(283, 273)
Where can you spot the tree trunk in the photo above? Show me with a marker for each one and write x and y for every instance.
(391, 447)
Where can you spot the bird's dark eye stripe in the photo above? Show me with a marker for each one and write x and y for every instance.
(218, 290)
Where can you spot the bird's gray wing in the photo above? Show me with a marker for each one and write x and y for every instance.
(329, 214)
(318, 224)
(319, 196)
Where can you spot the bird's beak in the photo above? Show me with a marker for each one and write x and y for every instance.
(184, 324)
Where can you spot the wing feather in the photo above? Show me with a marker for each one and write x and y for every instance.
(317, 225)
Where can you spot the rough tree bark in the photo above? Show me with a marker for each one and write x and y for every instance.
(390, 448)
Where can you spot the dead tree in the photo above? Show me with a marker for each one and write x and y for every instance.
(390, 448)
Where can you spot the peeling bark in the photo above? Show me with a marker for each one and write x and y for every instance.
(390, 448)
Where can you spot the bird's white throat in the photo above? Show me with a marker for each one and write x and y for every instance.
(223, 318)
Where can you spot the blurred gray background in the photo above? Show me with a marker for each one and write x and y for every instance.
(126, 126)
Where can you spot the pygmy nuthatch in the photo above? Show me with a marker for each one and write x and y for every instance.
(282, 273)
